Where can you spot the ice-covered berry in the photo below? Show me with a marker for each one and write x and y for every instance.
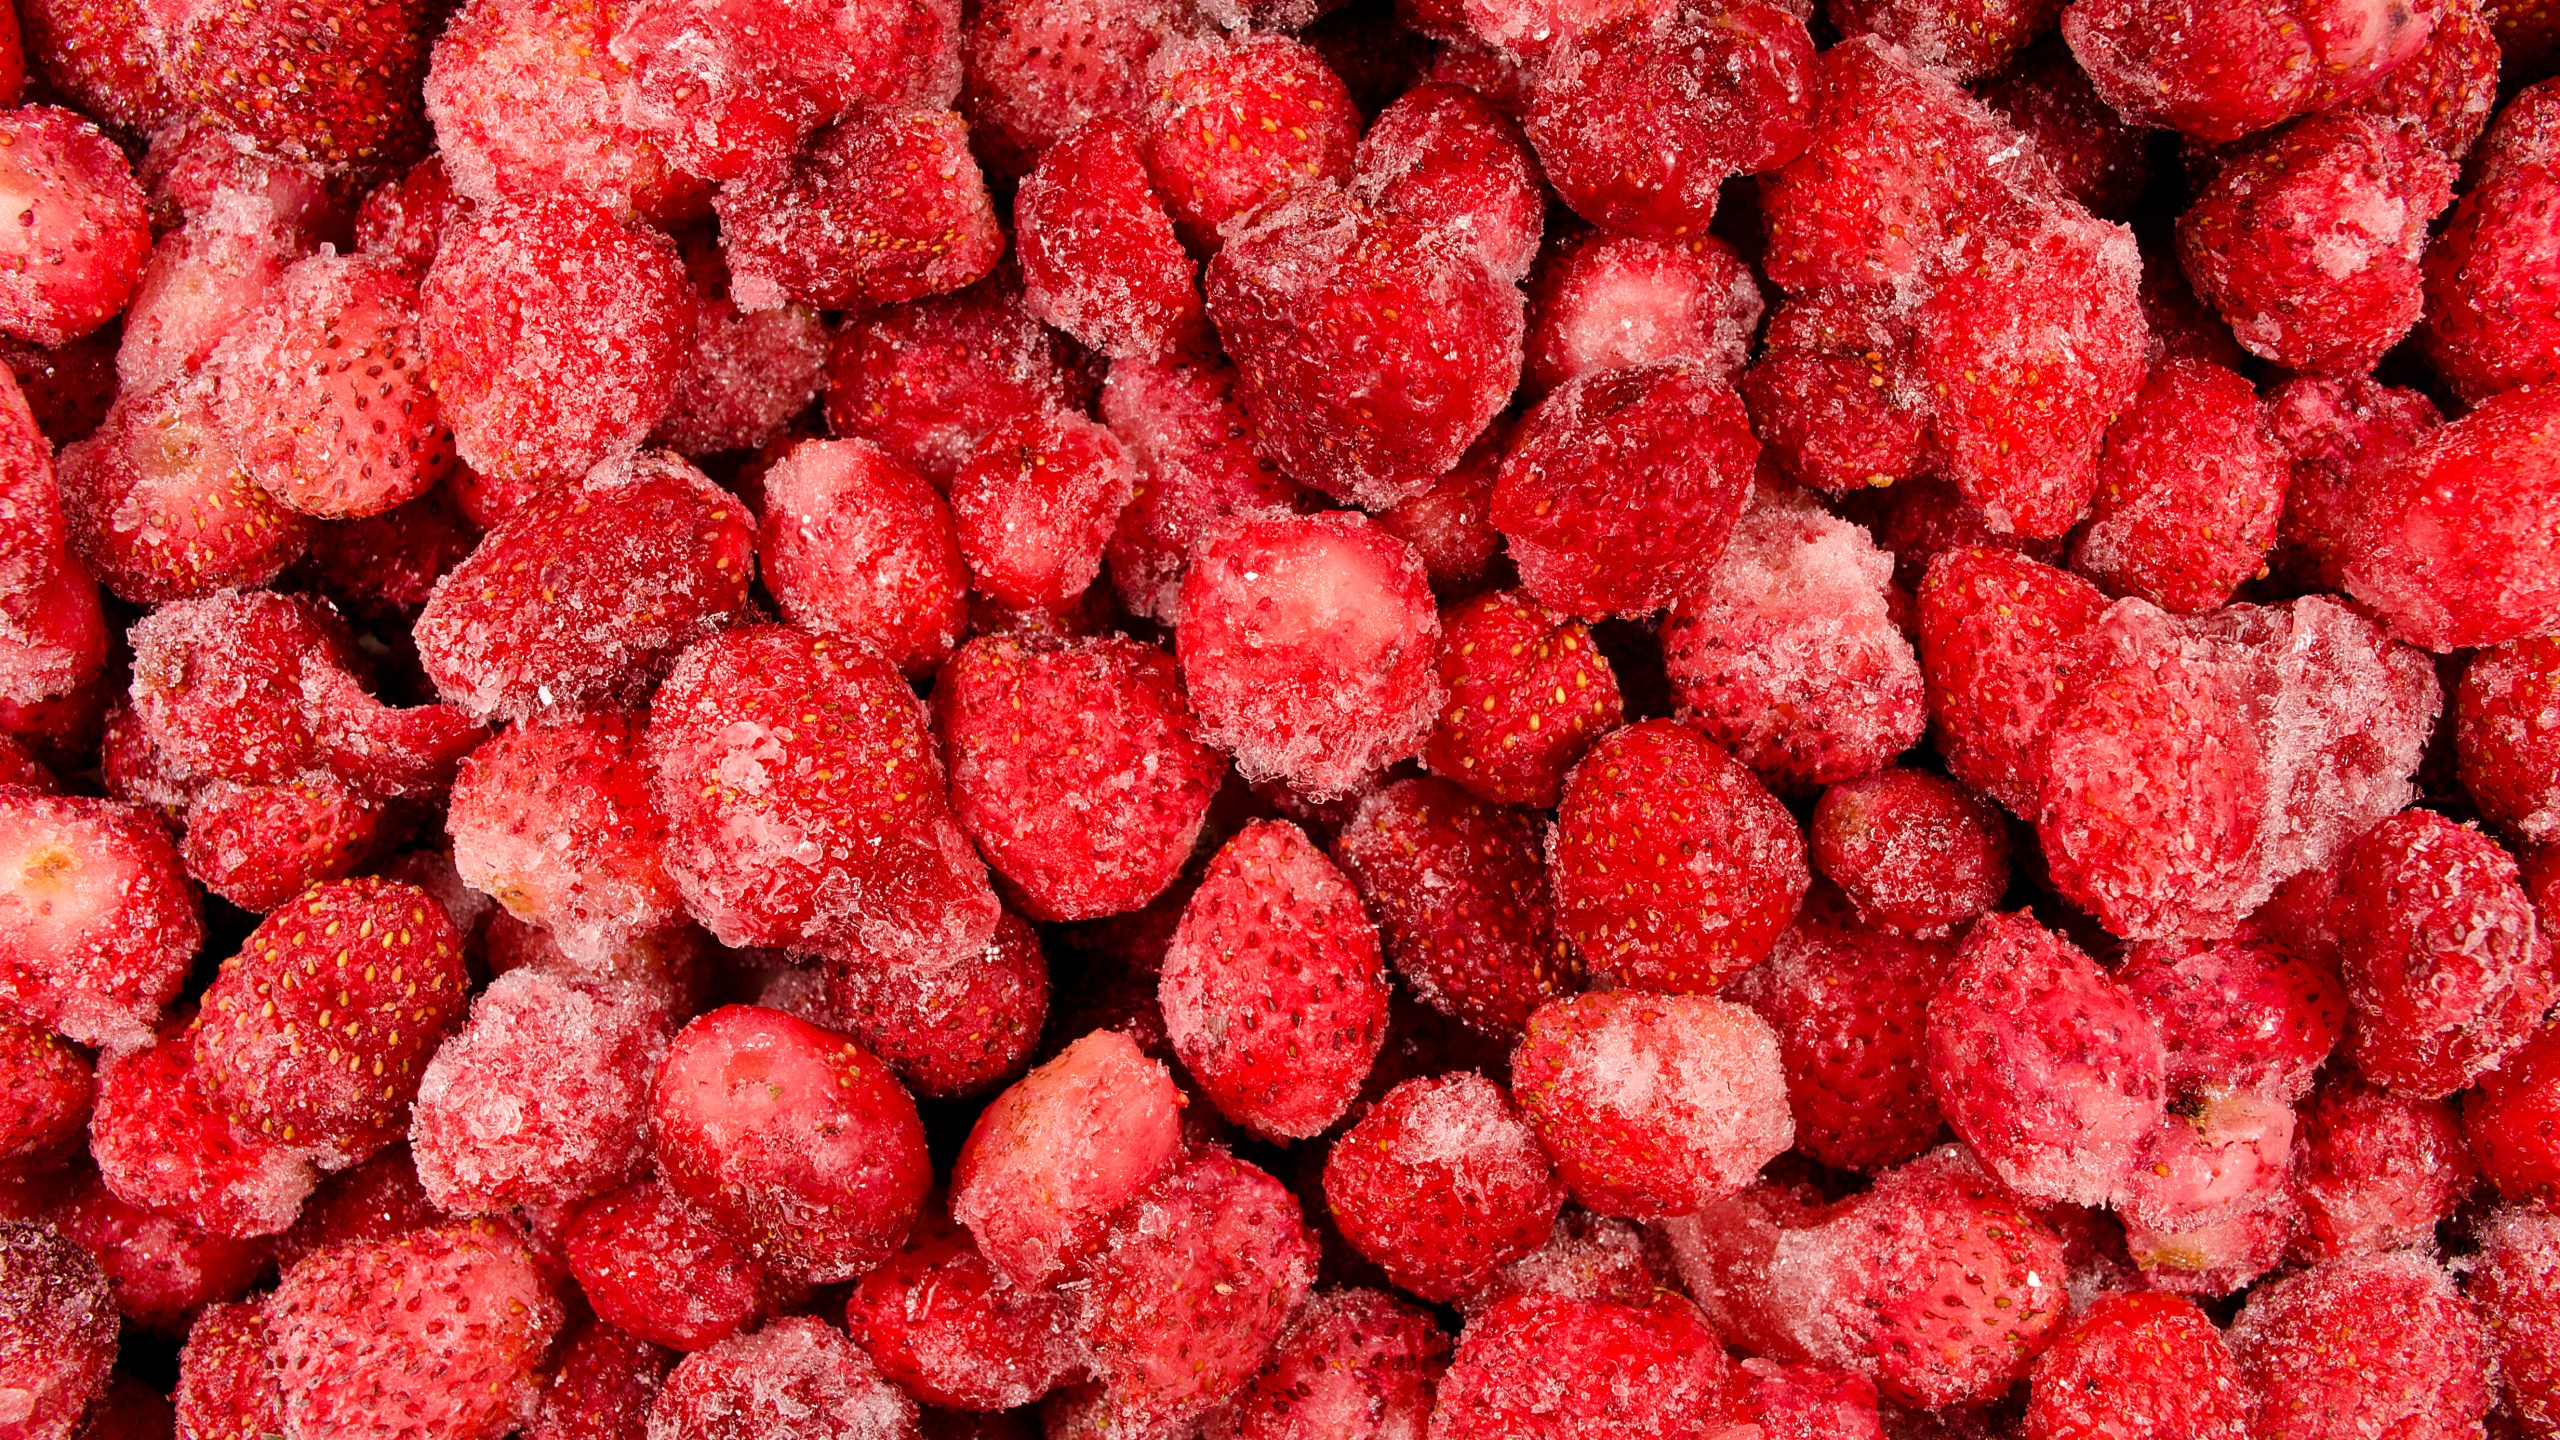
(2190, 489)
(2218, 72)
(1994, 627)
(1100, 259)
(2101, 161)
(2442, 94)
(226, 1387)
(1622, 487)
(949, 1028)
(600, 1386)
(101, 56)
(1307, 648)
(2138, 1367)
(44, 1098)
(1197, 464)
(804, 802)
(2374, 1171)
(81, 233)
(2043, 1063)
(1673, 868)
(380, 1199)
(797, 1376)
(161, 507)
(555, 337)
(97, 922)
(1274, 991)
(2372, 1345)
(334, 84)
(1039, 69)
(161, 1143)
(1543, 1367)
(1528, 693)
(654, 1268)
(2492, 476)
(2330, 431)
(1602, 301)
(2509, 1120)
(53, 636)
(1441, 1183)
(161, 1271)
(2447, 969)
(1034, 504)
(554, 820)
(2240, 1013)
(1370, 350)
(1356, 1364)
(2507, 736)
(1450, 525)
(258, 846)
(2514, 1286)
(884, 208)
(2490, 320)
(2208, 1205)
(795, 1142)
(1236, 122)
(1834, 395)
(1442, 155)
(381, 569)
(951, 1331)
(57, 1332)
(1966, 38)
(926, 381)
(1913, 851)
(1849, 1004)
(528, 99)
(855, 544)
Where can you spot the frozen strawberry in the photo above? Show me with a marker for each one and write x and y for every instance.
(1236, 123)
(1810, 1402)
(600, 1387)
(162, 1143)
(1789, 655)
(1306, 645)
(1354, 1363)
(797, 1376)
(57, 1331)
(203, 279)
(2509, 1120)
(1898, 153)
(1441, 155)
(2138, 1367)
(101, 56)
(2488, 476)
(885, 208)
(652, 1267)
(1370, 350)
(2308, 242)
(1458, 887)
(1528, 692)
(160, 506)
(331, 84)
(555, 337)
(794, 1142)
(2446, 968)
(1034, 504)
(258, 846)
(1637, 121)
(748, 378)
(951, 1331)
(1542, 1367)
(2239, 1013)
(2515, 1285)
(2372, 1345)
(1197, 464)
(1442, 1183)
(97, 922)
(2208, 1205)
(527, 99)
(2374, 1171)
(53, 637)
(2443, 93)
(226, 1388)
(587, 592)
(1834, 395)
(1913, 851)
(926, 381)
(2031, 340)
(2100, 160)
(1189, 1290)
(554, 820)
(2219, 72)
(1075, 769)
(855, 544)
(381, 570)
(804, 802)
(2490, 322)
(1603, 301)
(1622, 487)
(161, 1271)
(1588, 1257)
(380, 1199)
(254, 687)
(1674, 869)
(437, 1333)
(1849, 1002)
(44, 1098)
(2042, 1063)
(1273, 990)
(1966, 38)
(949, 1028)
(401, 220)
(1040, 69)
(2189, 491)
(1050, 1160)
(2329, 431)
(82, 234)
(1100, 259)
(2507, 736)
(1653, 1105)
(373, 965)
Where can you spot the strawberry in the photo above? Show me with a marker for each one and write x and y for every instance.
(1811, 1402)
(949, 1030)
(1968, 39)
(161, 1271)
(2331, 430)
(1274, 991)
(44, 1098)
(855, 543)
(258, 846)
(1913, 851)
(1442, 155)
(1442, 1183)
(437, 1332)
(1849, 1003)
(2043, 1063)
(796, 1376)
(1528, 692)
(601, 1386)
(1834, 395)
(653, 1268)
(2489, 318)
(1237, 123)
(2515, 1285)
(100, 55)
(52, 633)
(162, 1143)
(2507, 1118)
(1352, 1362)
(2488, 474)
(1994, 627)
(203, 278)
(226, 1387)
(1190, 1288)
(941, 1322)
(2241, 1013)
(804, 802)
(1450, 525)
(2443, 93)
(81, 234)
(57, 1331)
(2218, 74)
(401, 220)
(1673, 868)
(1542, 1367)
(2138, 1367)
(2507, 736)
(97, 923)
(1039, 69)
(794, 1142)
(331, 83)
(161, 507)
(885, 208)
(1034, 504)
(2179, 523)
(1100, 259)
(380, 1199)
(2377, 1172)
(1602, 301)
(1197, 464)
(2374, 1345)
(68, 387)
(1458, 888)
(926, 381)
(554, 820)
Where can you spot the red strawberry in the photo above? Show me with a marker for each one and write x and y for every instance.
(2239, 1013)
(793, 1141)
(2377, 1172)
(380, 1199)
(2180, 521)
(2490, 323)
(2515, 1285)
(854, 543)
(2138, 1367)
(1994, 627)
(926, 381)
(226, 1387)
(1458, 888)
(600, 1387)
(57, 1331)
(2374, 1345)
(885, 208)
(2443, 93)
(1834, 394)
(1273, 989)
(2509, 1120)
(1196, 465)
(1034, 504)
(1450, 525)
(2101, 161)
(81, 235)
(1441, 155)
(381, 570)
(1038, 69)
(750, 375)
(2331, 430)
(1602, 301)
(1353, 1361)
(951, 1331)
(258, 846)
(1100, 259)
(402, 219)
(101, 56)
(162, 1143)
(1673, 868)
(44, 1098)
(1528, 692)
(162, 1271)
(437, 1332)
(2221, 72)
(1849, 1003)
(1442, 1183)
(1811, 1402)
(654, 1268)
(161, 507)
(796, 1376)
(1966, 38)
(2507, 736)
(68, 387)
(1190, 1288)
(1913, 851)
(1541, 1367)
(52, 633)
(2488, 475)
(2043, 1064)
(332, 83)
(949, 1030)
(97, 923)
(1236, 123)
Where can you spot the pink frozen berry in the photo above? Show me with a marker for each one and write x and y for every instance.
(80, 235)
(161, 1143)
(2515, 1286)
(2219, 72)
(1234, 123)
(886, 207)
(1353, 1362)
(226, 1387)
(1543, 1367)
(2489, 318)
(1441, 1183)
(2101, 161)
(2240, 1013)
(97, 923)
(528, 98)
(1913, 851)
(2374, 1171)
(2329, 431)
(1528, 692)
(1834, 395)
(653, 1267)
(1442, 155)
(1197, 464)
(2371, 1345)
(949, 1028)
(2139, 1367)
(1038, 69)
(57, 1331)
(2507, 736)
(951, 1331)
(926, 381)
(44, 1099)
(1602, 301)
(1034, 504)
(159, 506)
(797, 1376)
(161, 1271)
(1994, 627)
(2490, 477)
(2190, 489)
(1099, 256)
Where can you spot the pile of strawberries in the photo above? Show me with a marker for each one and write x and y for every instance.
(1280, 720)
